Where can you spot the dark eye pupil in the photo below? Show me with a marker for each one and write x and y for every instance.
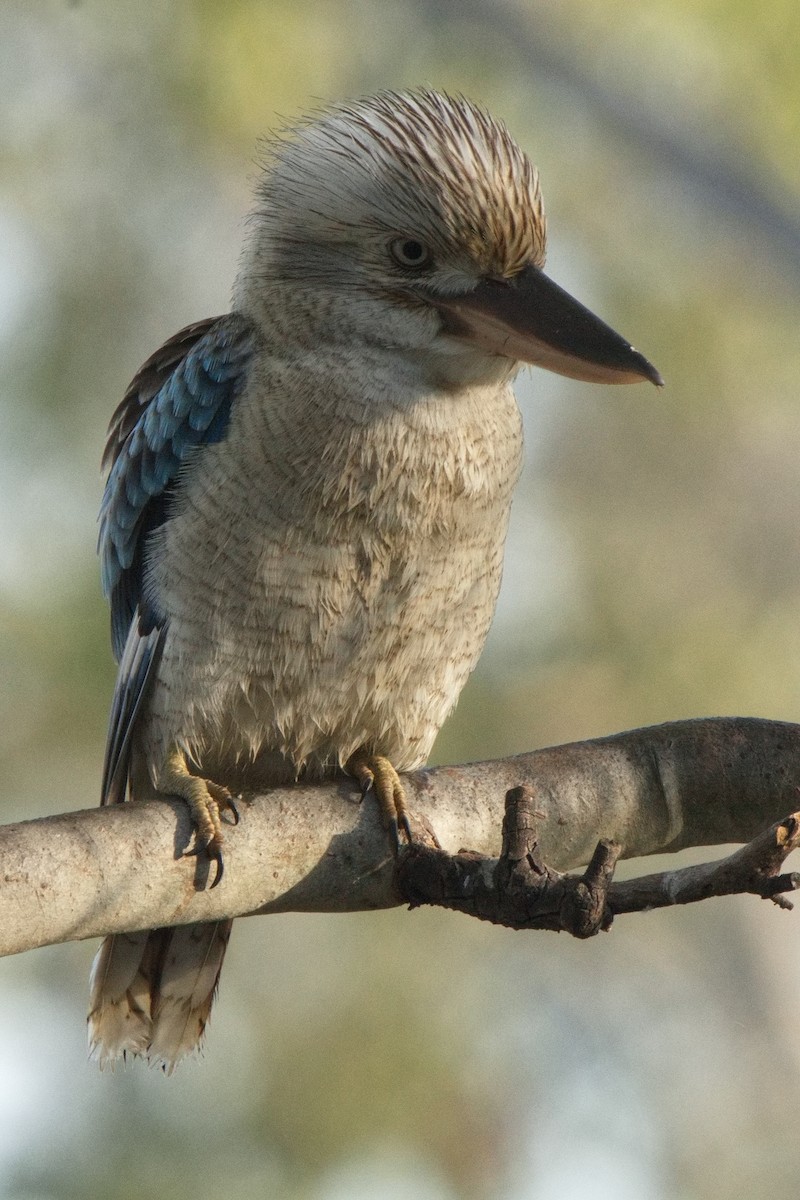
(412, 251)
(408, 252)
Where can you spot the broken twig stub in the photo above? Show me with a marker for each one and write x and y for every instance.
(519, 890)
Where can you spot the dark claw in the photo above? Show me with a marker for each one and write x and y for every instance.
(231, 808)
(405, 825)
(365, 785)
(214, 855)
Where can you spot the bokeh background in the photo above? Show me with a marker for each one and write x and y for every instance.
(653, 574)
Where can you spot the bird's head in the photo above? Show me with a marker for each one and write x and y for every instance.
(415, 221)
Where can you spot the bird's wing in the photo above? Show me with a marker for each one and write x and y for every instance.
(180, 400)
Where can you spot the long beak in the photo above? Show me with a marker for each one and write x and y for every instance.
(531, 319)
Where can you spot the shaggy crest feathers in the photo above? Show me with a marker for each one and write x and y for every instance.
(421, 163)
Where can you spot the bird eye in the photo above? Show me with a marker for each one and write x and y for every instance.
(409, 253)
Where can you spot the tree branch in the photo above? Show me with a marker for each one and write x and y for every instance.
(304, 848)
(520, 891)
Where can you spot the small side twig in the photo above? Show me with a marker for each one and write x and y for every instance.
(519, 890)
(753, 869)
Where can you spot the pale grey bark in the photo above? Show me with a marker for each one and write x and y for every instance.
(663, 788)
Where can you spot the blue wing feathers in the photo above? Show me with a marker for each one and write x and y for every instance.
(179, 401)
(152, 434)
(149, 380)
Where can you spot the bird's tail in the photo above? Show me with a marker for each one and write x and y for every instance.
(151, 992)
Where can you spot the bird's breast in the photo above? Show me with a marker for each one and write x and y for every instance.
(329, 587)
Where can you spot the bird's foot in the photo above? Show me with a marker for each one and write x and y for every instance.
(206, 801)
(376, 772)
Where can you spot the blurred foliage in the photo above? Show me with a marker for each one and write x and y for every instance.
(652, 574)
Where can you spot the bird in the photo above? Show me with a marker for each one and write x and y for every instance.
(306, 502)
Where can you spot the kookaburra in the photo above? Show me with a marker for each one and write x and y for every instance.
(307, 498)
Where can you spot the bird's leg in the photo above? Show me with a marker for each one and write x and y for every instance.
(205, 800)
(376, 772)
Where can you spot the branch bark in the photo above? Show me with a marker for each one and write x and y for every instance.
(519, 890)
(664, 788)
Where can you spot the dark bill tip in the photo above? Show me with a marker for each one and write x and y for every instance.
(529, 318)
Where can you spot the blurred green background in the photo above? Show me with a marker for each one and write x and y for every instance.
(652, 574)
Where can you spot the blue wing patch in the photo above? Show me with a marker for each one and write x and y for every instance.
(180, 399)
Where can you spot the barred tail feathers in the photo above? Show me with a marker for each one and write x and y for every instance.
(151, 993)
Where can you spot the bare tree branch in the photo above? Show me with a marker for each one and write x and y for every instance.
(519, 890)
(304, 848)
